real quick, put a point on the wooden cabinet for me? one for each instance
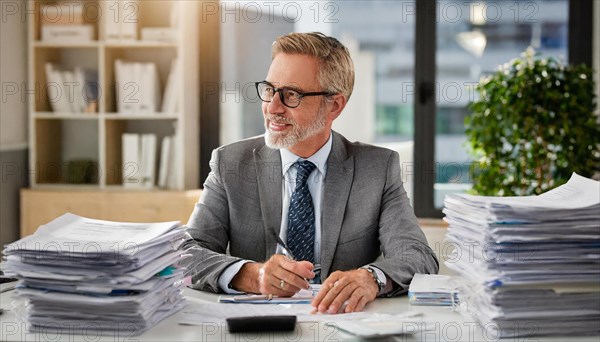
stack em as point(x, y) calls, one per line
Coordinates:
point(40, 206)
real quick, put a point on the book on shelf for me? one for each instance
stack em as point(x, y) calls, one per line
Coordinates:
point(148, 160)
point(165, 171)
point(71, 91)
point(137, 80)
point(132, 176)
point(139, 160)
point(54, 90)
point(125, 104)
point(72, 97)
point(121, 20)
point(149, 88)
point(79, 98)
point(138, 87)
point(170, 102)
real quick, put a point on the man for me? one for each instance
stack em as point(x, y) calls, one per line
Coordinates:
point(338, 207)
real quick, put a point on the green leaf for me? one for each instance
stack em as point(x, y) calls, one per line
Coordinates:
point(544, 110)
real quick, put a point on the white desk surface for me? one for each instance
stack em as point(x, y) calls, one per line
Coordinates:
point(447, 326)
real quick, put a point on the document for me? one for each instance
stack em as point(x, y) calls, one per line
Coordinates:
point(381, 325)
point(207, 312)
point(304, 296)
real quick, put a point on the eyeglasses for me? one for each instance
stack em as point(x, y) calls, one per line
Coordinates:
point(289, 97)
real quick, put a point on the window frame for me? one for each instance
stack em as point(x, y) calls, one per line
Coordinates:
point(580, 51)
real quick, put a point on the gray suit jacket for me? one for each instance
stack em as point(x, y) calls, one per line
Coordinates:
point(366, 219)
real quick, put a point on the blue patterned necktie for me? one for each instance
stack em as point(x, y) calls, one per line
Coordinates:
point(301, 216)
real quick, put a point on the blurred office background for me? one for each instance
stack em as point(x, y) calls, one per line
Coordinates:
point(472, 39)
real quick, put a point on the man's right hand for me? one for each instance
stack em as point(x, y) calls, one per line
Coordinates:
point(267, 278)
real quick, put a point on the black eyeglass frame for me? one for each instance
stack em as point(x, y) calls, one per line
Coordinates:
point(281, 97)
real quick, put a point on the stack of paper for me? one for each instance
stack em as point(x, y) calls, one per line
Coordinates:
point(533, 263)
point(433, 289)
point(80, 275)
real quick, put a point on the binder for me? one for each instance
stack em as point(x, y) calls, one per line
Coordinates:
point(79, 97)
point(69, 85)
point(131, 164)
point(166, 161)
point(136, 86)
point(54, 89)
point(148, 162)
point(120, 82)
point(127, 88)
point(169, 104)
point(149, 88)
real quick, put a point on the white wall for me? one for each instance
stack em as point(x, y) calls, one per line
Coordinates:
point(13, 119)
point(357, 121)
point(13, 75)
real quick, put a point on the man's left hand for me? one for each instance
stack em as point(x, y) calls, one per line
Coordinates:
point(354, 289)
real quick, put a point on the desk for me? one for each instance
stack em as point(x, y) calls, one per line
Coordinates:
point(447, 326)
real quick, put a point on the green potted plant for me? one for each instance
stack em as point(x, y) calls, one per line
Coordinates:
point(532, 126)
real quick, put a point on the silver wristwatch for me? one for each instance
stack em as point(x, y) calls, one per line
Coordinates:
point(378, 281)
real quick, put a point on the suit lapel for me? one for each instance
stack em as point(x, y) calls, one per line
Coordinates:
point(269, 179)
point(338, 181)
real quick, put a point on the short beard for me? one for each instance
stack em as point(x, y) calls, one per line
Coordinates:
point(297, 134)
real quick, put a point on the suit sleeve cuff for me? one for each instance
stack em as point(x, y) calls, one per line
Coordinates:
point(387, 285)
point(228, 274)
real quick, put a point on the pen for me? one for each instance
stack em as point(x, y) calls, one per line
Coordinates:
point(252, 297)
point(286, 251)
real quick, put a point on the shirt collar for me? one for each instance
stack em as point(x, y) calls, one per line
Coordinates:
point(288, 158)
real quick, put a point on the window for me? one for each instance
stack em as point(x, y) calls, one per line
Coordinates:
point(473, 38)
point(415, 62)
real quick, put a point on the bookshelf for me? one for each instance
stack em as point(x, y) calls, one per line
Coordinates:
point(64, 142)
